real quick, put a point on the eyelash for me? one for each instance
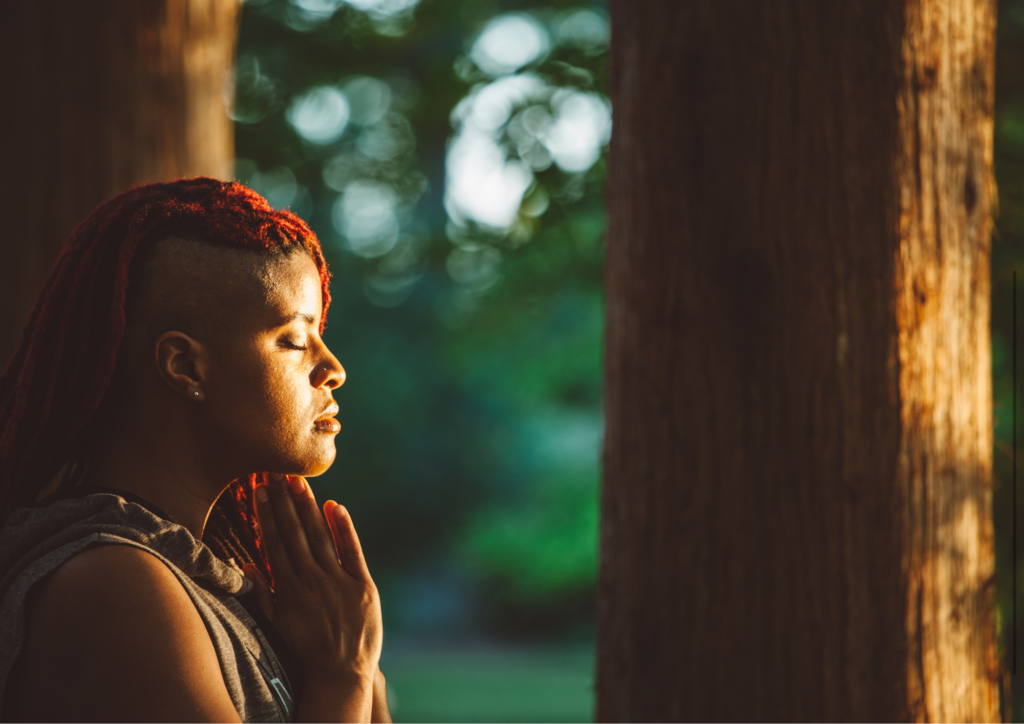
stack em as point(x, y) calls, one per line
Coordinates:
point(291, 345)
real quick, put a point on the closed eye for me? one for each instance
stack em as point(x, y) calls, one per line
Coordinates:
point(291, 345)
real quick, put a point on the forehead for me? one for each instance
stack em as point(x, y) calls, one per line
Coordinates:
point(202, 289)
point(292, 285)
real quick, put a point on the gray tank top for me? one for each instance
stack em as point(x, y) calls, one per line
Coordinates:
point(37, 540)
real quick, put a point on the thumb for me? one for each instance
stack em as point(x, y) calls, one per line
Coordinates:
point(261, 589)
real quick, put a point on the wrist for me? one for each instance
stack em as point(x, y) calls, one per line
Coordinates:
point(339, 695)
point(351, 678)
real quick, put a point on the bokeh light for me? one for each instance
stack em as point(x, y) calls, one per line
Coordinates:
point(251, 95)
point(384, 7)
point(483, 186)
point(368, 98)
point(319, 115)
point(365, 216)
point(581, 127)
point(545, 124)
point(584, 29)
point(450, 156)
point(508, 42)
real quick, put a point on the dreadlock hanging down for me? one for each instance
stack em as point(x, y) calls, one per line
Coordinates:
point(57, 380)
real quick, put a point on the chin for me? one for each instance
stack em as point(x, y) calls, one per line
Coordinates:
point(319, 464)
point(309, 460)
point(314, 472)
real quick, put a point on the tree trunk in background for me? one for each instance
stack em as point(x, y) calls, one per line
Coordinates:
point(797, 488)
point(101, 96)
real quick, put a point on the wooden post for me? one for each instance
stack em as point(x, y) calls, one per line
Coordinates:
point(796, 511)
point(98, 97)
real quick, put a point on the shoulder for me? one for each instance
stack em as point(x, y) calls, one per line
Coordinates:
point(115, 632)
point(106, 592)
point(113, 575)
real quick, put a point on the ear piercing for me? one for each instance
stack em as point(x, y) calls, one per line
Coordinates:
point(196, 393)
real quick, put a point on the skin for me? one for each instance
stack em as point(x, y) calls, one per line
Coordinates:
point(112, 630)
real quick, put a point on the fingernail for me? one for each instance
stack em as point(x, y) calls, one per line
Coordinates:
point(261, 493)
point(297, 485)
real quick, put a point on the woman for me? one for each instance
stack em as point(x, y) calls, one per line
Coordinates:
point(169, 394)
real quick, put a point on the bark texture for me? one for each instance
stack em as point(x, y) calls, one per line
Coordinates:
point(796, 510)
point(102, 96)
point(945, 106)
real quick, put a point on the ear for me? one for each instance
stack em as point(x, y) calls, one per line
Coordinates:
point(181, 362)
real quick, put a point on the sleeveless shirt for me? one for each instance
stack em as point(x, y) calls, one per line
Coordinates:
point(36, 540)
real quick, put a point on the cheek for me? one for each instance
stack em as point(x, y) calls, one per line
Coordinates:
point(262, 418)
point(283, 401)
point(266, 408)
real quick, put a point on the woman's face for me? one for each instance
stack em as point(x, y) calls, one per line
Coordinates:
point(268, 393)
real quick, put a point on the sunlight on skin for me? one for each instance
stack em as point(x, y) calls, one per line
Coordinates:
point(263, 374)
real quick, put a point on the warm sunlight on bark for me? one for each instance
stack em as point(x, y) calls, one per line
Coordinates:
point(945, 467)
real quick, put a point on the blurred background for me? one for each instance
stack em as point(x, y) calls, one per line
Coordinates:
point(450, 154)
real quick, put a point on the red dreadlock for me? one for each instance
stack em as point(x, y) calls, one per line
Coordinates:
point(57, 379)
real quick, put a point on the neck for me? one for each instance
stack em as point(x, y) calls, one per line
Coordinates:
point(155, 466)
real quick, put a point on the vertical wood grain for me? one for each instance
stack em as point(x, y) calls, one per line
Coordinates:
point(796, 506)
point(99, 97)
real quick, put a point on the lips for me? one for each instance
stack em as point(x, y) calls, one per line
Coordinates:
point(326, 421)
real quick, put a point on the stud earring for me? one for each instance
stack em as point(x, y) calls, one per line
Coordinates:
point(196, 393)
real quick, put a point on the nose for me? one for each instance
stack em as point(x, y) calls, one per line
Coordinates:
point(329, 373)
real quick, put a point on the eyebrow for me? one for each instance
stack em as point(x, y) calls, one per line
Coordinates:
point(300, 315)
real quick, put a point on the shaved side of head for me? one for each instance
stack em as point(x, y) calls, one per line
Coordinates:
point(201, 289)
point(127, 275)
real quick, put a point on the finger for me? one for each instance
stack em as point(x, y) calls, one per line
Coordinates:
point(261, 589)
point(280, 566)
point(289, 525)
point(352, 559)
point(329, 507)
point(318, 534)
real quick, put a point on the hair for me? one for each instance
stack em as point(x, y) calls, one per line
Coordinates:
point(55, 385)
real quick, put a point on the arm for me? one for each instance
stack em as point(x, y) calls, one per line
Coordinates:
point(113, 636)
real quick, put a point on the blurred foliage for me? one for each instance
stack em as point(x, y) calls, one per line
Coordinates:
point(480, 685)
point(1007, 257)
point(468, 302)
point(472, 411)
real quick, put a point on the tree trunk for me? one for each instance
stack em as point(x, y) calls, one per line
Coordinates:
point(102, 96)
point(796, 511)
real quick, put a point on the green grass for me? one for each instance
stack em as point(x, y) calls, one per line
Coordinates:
point(490, 684)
